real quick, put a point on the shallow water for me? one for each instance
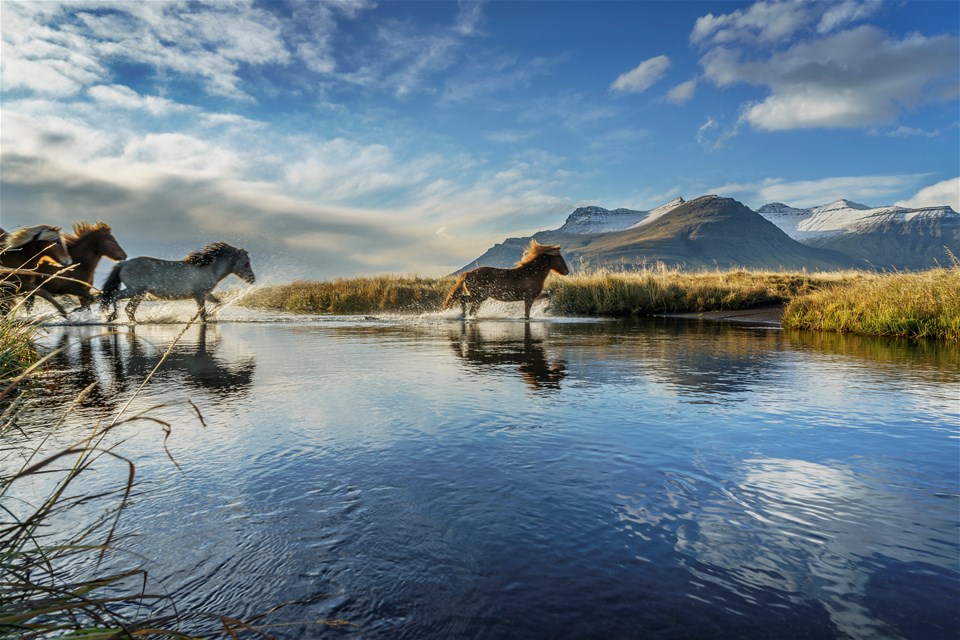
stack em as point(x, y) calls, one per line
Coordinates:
point(420, 478)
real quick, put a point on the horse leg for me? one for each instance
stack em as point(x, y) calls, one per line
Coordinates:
point(49, 298)
point(202, 307)
point(527, 303)
point(475, 307)
point(132, 307)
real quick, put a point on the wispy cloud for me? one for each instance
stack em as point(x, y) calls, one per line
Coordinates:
point(810, 193)
point(641, 77)
point(683, 92)
point(942, 193)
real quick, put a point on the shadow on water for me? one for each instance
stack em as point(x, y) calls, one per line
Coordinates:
point(491, 347)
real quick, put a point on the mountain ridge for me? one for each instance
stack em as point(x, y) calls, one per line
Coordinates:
point(711, 231)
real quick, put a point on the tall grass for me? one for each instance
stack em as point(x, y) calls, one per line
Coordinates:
point(347, 296)
point(659, 290)
point(915, 305)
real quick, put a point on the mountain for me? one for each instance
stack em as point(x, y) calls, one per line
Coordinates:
point(599, 220)
point(881, 237)
point(709, 231)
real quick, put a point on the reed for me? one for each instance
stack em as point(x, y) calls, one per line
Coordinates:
point(658, 289)
point(914, 305)
point(347, 296)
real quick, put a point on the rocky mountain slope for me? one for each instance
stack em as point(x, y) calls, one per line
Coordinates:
point(708, 232)
point(879, 237)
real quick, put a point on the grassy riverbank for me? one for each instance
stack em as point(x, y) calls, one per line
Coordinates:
point(918, 305)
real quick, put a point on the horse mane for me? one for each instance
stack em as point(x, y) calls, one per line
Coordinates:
point(209, 254)
point(534, 250)
point(42, 232)
point(81, 229)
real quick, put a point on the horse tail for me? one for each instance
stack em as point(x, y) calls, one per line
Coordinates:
point(108, 293)
point(455, 291)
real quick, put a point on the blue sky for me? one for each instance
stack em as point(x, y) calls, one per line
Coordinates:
point(342, 138)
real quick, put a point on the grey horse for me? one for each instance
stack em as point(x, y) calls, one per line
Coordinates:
point(193, 277)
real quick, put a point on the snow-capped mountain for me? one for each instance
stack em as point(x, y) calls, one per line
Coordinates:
point(710, 231)
point(589, 220)
point(842, 216)
point(881, 237)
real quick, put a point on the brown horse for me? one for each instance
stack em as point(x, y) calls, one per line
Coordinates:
point(21, 251)
point(523, 282)
point(87, 244)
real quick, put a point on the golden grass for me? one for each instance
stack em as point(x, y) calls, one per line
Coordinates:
point(347, 296)
point(917, 305)
point(659, 290)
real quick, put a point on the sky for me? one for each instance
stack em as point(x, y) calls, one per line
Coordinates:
point(340, 138)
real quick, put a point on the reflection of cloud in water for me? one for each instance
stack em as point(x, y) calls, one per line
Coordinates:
point(805, 531)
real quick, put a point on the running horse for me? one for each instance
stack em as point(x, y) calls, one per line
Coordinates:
point(86, 245)
point(193, 277)
point(523, 282)
point(21, 252)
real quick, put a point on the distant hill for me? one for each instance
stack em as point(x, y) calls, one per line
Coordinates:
point(710, 231)
point(880, 237)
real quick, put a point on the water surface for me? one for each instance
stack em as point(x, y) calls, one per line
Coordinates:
point(420, 478)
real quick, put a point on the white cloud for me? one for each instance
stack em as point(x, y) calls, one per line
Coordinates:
point(58, 49)
point(846, 13)
point(905, 132)
point(683, 92)
point(641, 77)
point(763, 22)
point(712, 136)
point(937, 195)
point(126, 98)
point(855, 78)
point(810, 193)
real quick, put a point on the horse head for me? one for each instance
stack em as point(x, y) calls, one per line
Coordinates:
point(545, 253)
point(104, 243)
point(42, 242)
point(242, 267)
point(558, 264)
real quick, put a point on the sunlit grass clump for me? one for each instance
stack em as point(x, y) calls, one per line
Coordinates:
point(659, 289)
point(16, 346)
point(916, 305)
point(347, 296)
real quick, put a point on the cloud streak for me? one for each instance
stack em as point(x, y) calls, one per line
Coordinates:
point(641, 77)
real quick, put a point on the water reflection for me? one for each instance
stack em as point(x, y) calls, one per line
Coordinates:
point(112, 362)
point(488, 347)
point(789, 531)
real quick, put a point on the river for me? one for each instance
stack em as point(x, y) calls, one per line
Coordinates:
point(420, 478)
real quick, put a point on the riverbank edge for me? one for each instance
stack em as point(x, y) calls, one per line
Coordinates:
point(768, 315)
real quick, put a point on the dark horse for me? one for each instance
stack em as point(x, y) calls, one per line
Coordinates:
point(193, 277)
point(21, 251)
point(87, 244)
point(523, 282)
